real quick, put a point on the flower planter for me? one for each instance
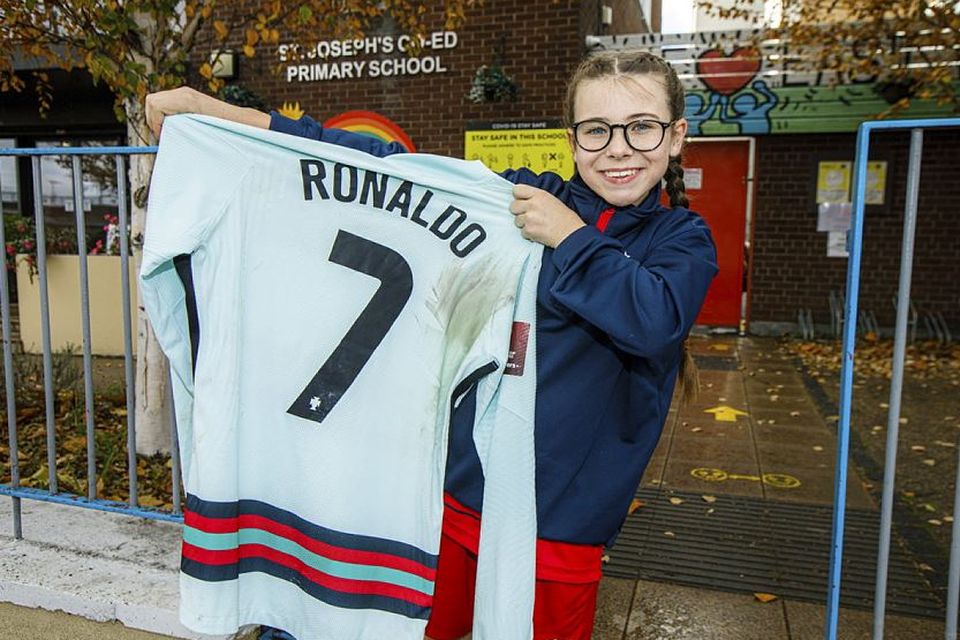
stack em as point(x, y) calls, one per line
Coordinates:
point(63, 288)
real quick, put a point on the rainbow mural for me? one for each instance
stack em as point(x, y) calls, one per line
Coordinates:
point(372, 124)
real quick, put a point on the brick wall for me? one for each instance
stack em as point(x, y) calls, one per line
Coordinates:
point(541, 45)
point(790, 267)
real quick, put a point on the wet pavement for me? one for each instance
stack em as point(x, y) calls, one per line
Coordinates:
point(754, 431)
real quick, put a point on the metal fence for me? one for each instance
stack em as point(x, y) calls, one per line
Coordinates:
point(52, 492)
point(855, 245)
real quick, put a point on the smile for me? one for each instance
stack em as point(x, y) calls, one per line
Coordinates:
point(620, 174)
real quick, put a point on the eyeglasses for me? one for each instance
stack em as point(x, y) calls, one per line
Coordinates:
point(641, 135)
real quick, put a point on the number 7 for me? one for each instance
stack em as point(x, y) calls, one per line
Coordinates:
point(352, 353)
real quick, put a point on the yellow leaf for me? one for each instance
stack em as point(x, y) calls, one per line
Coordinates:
point(670, 534)
point(248, 51)
point(676, 500)
point(634, 505)
point(709, 499)
point(765, 597)
point(75, 444)
point(604, 558)
point(206, 70)
point(221, 28)
point(148, 500)
point(252, 38)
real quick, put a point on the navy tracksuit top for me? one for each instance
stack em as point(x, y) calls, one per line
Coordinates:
point(613, 309)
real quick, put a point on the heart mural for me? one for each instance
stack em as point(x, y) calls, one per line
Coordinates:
point(727, 74)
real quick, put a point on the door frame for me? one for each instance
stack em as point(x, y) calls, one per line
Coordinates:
point(750, 179)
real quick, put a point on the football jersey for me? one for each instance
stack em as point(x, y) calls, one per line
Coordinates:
point(323, 310)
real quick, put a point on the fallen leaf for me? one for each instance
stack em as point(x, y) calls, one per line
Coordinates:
point(676, 500)
point(765, 597)
point(929, 462)
point(904, 420)
point(710, 510)
point(697, 429)
point(670, 534)
point(774, 398)
point(636, 504)
point(604, 558)
point(929, 507)
point(817, 447)
point(934, 522)
point(795, 414)
point(884, 405)
point(710, 499)
point(771, 422)
point(948, 518)
point(944, 444)
point(150, 501)
point(909, 494)
point(919, 448)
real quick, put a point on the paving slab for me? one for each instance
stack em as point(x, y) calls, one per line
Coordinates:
point(669, 612)
point(807, 622)
point(613, 608)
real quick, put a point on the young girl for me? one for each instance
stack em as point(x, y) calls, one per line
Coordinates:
point(622, 281)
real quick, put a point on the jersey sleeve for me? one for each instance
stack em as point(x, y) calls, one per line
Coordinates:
point(196, 172)
point(503, 434)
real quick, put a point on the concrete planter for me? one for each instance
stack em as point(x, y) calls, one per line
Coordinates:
point(63, 287)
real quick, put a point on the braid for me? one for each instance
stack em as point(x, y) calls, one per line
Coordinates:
point(674, 180)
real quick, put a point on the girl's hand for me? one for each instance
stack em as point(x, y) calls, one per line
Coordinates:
point(541, 217)
point(167, 103)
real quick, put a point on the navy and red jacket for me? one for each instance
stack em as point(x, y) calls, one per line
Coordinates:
point(613, 310)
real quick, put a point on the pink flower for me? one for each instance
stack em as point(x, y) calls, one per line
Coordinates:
point(27, 245)
point(11, 250)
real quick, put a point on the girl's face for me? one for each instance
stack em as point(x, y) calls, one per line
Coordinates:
point(618, 173)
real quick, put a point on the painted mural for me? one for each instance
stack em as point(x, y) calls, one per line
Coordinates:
point(734, 89)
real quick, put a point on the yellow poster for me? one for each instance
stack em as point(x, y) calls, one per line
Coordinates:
point(833, 182)
point(537, 146)
point(876, 182)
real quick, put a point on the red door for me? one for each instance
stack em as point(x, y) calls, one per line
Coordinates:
point(719, 184)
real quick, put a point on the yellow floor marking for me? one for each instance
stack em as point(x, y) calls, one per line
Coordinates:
point(777, 480)
point(723, 413)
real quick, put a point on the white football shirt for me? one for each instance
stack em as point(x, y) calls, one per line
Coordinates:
point(322, 309)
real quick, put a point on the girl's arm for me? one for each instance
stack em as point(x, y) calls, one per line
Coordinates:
point(645, 303)
point(187, 100)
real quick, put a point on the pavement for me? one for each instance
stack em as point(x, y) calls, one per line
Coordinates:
point(755, 431)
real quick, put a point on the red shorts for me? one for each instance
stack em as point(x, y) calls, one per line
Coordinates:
point(565, 599)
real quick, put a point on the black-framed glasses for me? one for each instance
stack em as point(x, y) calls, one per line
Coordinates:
point(641, 135)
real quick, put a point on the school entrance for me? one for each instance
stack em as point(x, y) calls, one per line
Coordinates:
point(719, 177)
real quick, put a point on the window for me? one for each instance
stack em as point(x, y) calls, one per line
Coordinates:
point(9, 183)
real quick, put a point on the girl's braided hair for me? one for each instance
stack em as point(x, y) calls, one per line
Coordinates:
point(620, 64)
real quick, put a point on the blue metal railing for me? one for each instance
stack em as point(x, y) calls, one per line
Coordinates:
point(855, 244)
point(52, 494)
